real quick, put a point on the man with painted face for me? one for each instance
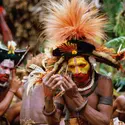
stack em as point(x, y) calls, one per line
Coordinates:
point(80, 69)
point(86, 97)
point(9, 82)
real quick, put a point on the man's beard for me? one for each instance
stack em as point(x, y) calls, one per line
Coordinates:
point(81, 79)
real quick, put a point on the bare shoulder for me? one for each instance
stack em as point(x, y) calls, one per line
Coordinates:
point(120, 99)
point(104, 86)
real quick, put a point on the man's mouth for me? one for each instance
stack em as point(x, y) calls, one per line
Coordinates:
point(80, 77)
point(4, 77)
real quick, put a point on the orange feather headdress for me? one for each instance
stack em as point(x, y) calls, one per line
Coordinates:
point(75, 19)
point(74, 26)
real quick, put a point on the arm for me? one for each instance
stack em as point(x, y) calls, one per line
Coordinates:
point(51, 111)
point(102, 115)
point(14, 111)
point(14, 85)
point(4, 104)
point(50, 106)
point(99, 116)
point(7, 35)
point(19, 93)
point(119, 104)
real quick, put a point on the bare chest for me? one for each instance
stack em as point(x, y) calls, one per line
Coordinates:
point(3, 94)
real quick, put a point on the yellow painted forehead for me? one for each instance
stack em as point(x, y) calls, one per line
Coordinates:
point(79, 59)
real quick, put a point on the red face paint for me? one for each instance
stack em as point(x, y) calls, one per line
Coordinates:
point(81, 78)
point(4, 78)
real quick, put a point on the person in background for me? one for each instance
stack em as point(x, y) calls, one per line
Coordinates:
point(119, 108)
point(4, 29)
point(9, 82)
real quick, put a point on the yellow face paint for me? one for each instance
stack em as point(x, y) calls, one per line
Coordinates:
point(78, 64)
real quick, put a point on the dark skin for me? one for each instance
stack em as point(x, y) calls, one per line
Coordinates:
point(7, 95)
point(94, 113)
point(119, 104)
point(4, 29)
point(14, 111)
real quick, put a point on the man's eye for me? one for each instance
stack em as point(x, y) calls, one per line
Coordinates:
point(71, 67)
point(82, 65)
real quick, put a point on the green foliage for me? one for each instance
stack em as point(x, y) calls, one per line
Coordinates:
point(119, 28)
point(116, 43)
point(105, 70)
point(119, 83)
point(112, 8)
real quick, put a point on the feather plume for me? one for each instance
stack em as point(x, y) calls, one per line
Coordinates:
point(75, 19)
point(68, 47)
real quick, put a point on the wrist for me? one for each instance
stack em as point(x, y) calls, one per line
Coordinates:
point(78, 100)
point(46, 113)
point(82, 106)
point(49, 104)
point(12, 91)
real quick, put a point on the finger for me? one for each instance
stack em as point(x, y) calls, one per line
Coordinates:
point(61, 92)
point(67, 85)
point(69, 79)
point(53, 80)
point(13, 73)
point(57, 85)
point(47, 76)
point(62, 88)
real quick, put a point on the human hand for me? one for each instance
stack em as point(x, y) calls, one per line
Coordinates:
point(70, 87)
point(51, 83)
point(15, 83)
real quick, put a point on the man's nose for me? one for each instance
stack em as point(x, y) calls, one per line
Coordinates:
point(77, 70)
point(7, 71)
